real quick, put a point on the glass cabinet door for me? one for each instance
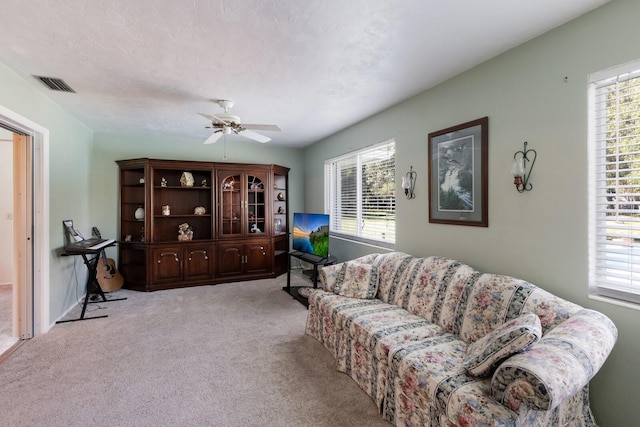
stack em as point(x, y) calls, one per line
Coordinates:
point(256, 206)
point(230, 205)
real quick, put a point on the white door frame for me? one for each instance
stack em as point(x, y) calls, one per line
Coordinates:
point(40, 138)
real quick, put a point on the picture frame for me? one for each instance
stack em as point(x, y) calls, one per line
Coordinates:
point(458, 174)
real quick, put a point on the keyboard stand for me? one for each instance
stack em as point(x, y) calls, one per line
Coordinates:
point(93, 287)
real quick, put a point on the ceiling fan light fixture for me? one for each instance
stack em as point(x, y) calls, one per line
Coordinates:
point(225, 124)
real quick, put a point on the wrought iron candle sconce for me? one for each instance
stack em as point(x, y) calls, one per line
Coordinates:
point(409, 183)
point(521, 174)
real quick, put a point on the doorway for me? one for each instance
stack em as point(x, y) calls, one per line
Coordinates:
point(23, 217)
point(8, 337)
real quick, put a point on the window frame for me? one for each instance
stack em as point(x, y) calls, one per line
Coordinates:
point(357, 155)
point(602, 280)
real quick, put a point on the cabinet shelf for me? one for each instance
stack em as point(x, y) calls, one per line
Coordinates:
point(179, 187)
point(182, 216)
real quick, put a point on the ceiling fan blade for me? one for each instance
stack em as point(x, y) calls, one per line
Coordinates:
point(214, 119)
point(214, 137)
point(254, 135)
point(272, 128)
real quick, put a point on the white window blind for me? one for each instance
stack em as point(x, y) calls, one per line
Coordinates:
point(360, 194)
point(615, 183)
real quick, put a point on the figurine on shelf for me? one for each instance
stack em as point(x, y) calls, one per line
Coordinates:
point(199, 210)
point(163, 182)
point(228, 185)
point(186, 180)
point(254, 229)
point(204, 183)
point(185, 232)
point(251, 215)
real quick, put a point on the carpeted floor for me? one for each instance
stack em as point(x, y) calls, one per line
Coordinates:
point(6, 310)
point(226, 355)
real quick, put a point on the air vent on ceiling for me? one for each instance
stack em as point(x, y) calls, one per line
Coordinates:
point(55, 84)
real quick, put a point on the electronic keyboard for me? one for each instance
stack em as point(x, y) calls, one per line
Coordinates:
point(89, 245)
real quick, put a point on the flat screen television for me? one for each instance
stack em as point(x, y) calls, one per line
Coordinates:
point(311, 234)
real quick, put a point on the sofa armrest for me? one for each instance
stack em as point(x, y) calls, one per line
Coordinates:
point(558, 366)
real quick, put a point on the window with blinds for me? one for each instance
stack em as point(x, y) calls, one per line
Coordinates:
point(360, 195)
point(615, 183)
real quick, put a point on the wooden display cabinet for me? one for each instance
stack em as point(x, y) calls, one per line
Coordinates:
point(237, 214)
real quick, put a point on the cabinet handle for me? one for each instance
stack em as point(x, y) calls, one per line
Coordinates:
point(175, 256)
point(202, 251)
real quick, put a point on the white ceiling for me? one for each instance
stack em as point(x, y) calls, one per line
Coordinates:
point(313, 67)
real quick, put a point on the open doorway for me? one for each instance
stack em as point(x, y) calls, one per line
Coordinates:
point(24, 216)
point(8, 337)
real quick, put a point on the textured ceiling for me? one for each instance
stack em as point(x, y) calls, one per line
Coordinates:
point(313, 67)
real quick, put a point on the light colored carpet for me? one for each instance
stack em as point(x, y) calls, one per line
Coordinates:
point(226, 355)
point(6, 320)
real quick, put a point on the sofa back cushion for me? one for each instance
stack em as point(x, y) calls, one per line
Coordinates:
point(392, 267)
point(551, 310)
point(455, 297)
point(428, 282)
point(357, 280)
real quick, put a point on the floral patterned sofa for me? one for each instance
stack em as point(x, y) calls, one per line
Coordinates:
point(436, 343)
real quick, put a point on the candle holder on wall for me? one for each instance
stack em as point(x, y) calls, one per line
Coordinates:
point(409, 183)
point(522, 174)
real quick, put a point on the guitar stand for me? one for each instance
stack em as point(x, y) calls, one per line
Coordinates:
point(93, 288)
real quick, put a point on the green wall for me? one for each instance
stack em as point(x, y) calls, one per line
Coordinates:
point(70, 145)
point(540, 236)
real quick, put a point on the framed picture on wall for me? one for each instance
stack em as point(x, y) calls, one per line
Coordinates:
point(458, 174)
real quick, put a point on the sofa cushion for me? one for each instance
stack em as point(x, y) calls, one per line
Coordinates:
point(392, 267)
point(515, 336)
point(488, 303)
point(357, 280)
point(328, 276)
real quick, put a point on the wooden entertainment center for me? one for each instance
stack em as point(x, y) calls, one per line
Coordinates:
point(237, 214)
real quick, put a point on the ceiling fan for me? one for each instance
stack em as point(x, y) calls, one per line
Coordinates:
point(226, 123)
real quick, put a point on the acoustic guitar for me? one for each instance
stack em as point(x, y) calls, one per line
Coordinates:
point(108, 277)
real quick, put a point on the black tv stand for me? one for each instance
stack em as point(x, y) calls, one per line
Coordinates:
point(316, 261)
